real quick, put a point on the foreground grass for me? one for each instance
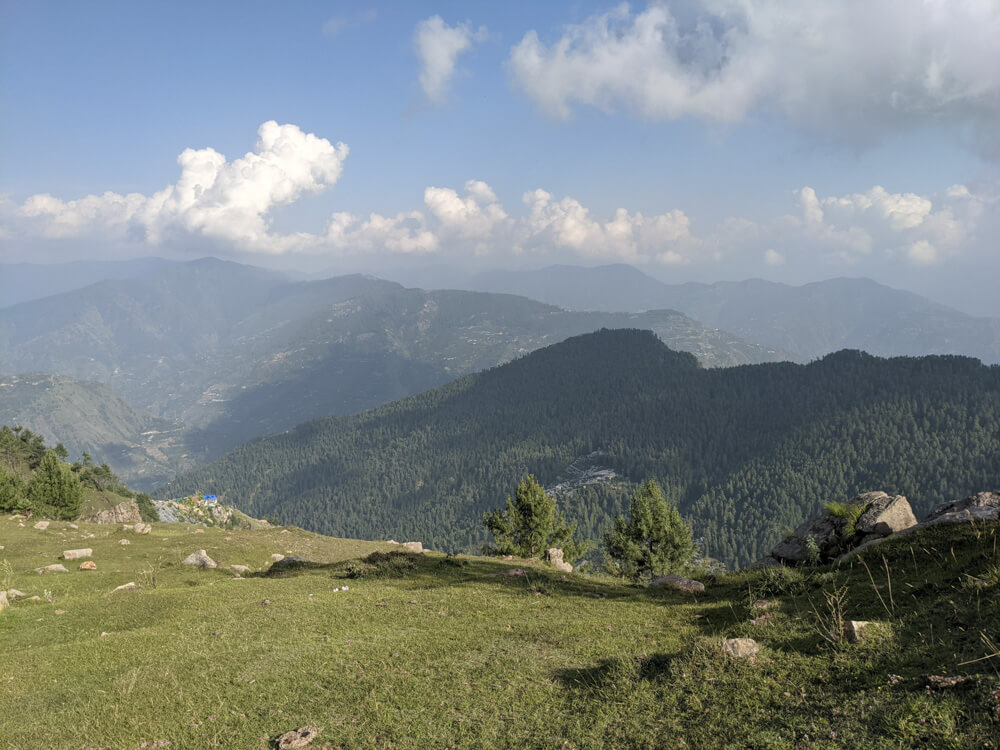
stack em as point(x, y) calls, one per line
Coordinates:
point(434, 652)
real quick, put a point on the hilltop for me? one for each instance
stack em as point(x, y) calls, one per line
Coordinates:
point(378, 648)
point(745, 452)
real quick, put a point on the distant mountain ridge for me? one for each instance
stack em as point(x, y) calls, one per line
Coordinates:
point(235, 352)
point(808, 321)
point(23, 282)
point(745, 451)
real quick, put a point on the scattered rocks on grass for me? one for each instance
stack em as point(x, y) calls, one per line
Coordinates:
point(200, 559)
point(555, 558)
point(680, 583)
point(41, 525)
point(301, 737)
point(130, 586)
point(77, 554)
point(740, 648)
point(56, 568)
point(88, 565)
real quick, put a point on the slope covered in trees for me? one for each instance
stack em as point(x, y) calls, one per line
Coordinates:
point(745, 452)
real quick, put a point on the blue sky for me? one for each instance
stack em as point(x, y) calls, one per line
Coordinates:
point(708, 161)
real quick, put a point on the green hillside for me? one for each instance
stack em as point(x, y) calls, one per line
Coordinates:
point(425, 651)
point(746, 452)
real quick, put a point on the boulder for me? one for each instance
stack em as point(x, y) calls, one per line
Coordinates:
point(88, 565)
point(200, 559)
point(4, 602)
point(984, 506)
point(288, 562)
point(142, 528)
point(127, 512)
point(300, 737)
point(14, 595)
point(740, 648)
point(555, 558)
point(855, 630)
point(680, 583)
point(57, 568)
point(885, 514)
point(413, 546)
point(130, 586)
point(41, 525)
point(77, 554)
point(823, 529)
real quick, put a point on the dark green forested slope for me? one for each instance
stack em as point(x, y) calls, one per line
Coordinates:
point(746, 451)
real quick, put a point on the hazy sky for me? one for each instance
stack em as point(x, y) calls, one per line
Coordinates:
point(703, 139)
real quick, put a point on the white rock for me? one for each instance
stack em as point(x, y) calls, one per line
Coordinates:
point(4, 603)
point(42, 525)
point(124, 542)
point(73, 526)
point(130, 586)
point(14, 595)
point(413, 546)
point(277, 556)
point(239, 568)
point(855, 630)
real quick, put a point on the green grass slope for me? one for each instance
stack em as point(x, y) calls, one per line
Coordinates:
point(425, 651)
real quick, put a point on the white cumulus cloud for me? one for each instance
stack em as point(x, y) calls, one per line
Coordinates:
point(852, 69)
point(438, 47)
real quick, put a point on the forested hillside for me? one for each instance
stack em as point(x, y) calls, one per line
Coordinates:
point(236, 352)
point(746, 452)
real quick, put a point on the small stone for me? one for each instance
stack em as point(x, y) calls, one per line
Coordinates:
point(285, 531)
point(130, 586)
point(265, 603)
point(42, 525)
point(57, 568)
point(77, 554)
point(762, 619)
point(855, 630)
point(88, 565)
point(124, 542)
point(392, 541)
point(678, 582)
point(277, 557)
point(741, 648)
point(4, 602)
point(73, 526)
point(200, 559)
point(142, 528)
point(762, 604)
point(199, 531)
point(239, 568)
point(301, 737)
point(60, 611)
point(104, 634)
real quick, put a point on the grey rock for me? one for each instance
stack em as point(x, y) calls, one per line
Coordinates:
point(855, 630)
point(885, 514)
point(200, 559)
point(740, 648)
point(680, 583)
point(983, 506)
point(555, 558)
point(288, 562)
point(77, 554)
point(57, 568)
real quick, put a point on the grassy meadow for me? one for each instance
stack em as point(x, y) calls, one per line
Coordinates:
point(429, 651)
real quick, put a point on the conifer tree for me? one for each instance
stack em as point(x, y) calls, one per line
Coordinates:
point(530, 524)
point(54, 490)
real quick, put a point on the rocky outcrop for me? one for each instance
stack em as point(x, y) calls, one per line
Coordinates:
point(680, 583)
point(127, 512)
point(555, 558)
point(867, 518)
point(984, 506)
